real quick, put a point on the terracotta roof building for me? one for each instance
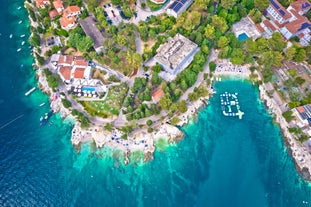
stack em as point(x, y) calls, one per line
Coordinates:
point(289, 22)
point(65, 60)
point(301, 6)
point(278, 12)
point(65, 72)
point(71, 11)
point(53, 13)
point(79, 73)
point(157, 95)
point(42, 3)
point(80, 62)
point(70, 16)
point(58, 5)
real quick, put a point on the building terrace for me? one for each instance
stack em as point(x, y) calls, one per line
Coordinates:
point(176, 54)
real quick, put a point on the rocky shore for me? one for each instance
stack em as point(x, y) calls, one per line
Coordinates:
point(299, 153)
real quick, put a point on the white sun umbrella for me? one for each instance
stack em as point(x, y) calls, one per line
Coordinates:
point(90, 95)
point(93, 92)
point(85, 95)
point(94, 96)
point(75, 90)
point(79, 94)
point(79, 90)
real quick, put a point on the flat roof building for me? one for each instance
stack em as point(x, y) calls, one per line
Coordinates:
point(90, 28)
point(178, 7)
point(176, 54)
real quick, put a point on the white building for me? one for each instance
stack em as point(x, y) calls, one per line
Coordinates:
point(176, 54)
point(278, 12)
point(178, 6)
point(289, 22)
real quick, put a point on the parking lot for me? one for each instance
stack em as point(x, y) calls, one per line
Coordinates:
point(114, 15)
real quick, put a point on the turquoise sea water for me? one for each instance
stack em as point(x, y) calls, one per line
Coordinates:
point(222, 161)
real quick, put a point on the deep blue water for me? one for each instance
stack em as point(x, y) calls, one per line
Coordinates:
point(242, 37)
point(222, 161)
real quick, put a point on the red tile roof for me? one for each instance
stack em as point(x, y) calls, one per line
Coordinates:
point(53, 13)
point(42, 3)
point(71, 9)
point(65, 59)
point(286, 14)
point(65, 22)
point(300, 109)
point(296, 25)
point(79, 73)
point(301, 5)
point(278, 24)
point(65, 71)
point(157, 94)
point(80, 61)
point(58, 4)
point(269, 25)
point(301, 35)
point(259, 28)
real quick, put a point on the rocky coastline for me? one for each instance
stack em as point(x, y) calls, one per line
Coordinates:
point(301, 156)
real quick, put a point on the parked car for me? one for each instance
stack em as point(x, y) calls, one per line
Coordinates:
point(105, 14)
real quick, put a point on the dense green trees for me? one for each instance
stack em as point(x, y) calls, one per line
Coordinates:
point(220, 23)
point(82, 43)
point(261, 4)
point(51, 79)
point(288, 115)
point(227, 4)
point(35, 40)
point(66, 103)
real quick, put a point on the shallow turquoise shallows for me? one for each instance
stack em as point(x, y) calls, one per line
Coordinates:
point(222, 161)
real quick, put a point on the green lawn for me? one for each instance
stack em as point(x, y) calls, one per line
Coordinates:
point(111, 105)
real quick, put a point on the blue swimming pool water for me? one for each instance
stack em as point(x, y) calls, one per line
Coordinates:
point(84, 88)
point(242, 37)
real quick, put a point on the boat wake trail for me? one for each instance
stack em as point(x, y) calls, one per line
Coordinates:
point(10, 122)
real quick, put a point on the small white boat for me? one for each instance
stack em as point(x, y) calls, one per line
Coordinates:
point(11, 36)
point(42, 104)
point(22, 35)
point(23, 42)
point(19, 49)
point(30, 91)
point(20, 21)
point(19, 7)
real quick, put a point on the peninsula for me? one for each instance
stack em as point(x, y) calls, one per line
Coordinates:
point(131, 72)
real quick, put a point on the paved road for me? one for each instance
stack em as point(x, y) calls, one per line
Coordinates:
point(138, 43)
point(142, 14)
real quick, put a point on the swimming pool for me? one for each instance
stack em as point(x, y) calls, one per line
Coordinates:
point(85, 88)
point(242, 37)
